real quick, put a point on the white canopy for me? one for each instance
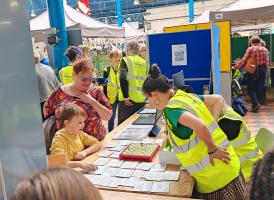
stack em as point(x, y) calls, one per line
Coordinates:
point(203, 18)
point(89, 27)
point(132, 34)
point(245, 11)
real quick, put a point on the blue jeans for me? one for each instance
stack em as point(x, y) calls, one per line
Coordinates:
point(111, 121)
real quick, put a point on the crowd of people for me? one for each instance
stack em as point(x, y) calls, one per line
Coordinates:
point(211, 141)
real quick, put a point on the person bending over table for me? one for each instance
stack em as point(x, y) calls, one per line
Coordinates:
point(199, 143)
point(82, 93)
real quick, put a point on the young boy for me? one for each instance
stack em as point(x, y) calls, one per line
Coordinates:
point(71, 140)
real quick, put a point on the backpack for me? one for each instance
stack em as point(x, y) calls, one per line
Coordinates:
point(50, 129)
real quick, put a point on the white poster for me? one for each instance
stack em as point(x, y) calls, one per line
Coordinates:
point(179, 55)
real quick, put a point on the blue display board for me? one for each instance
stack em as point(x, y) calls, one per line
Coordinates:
point(198, 45)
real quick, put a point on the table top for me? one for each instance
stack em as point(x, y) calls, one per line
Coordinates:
point(181, 188)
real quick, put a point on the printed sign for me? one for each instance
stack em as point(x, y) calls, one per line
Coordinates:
point(179, 55)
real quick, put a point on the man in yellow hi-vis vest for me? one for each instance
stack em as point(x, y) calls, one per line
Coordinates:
point(132, 74)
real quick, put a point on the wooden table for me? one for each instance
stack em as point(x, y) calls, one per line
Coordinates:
point(181, 188)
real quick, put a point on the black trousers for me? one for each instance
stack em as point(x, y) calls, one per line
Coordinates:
point(124, 111)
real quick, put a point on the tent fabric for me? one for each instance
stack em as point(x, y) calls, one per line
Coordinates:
point(132, 34)
point(203, 18)
point(245, 11)
point(89, 27)
point(251, 27)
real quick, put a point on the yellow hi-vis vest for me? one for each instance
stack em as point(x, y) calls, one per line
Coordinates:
point(137, 73)
point(112, 86)
point(244, 144)
point(193, 153)
point(66, 75)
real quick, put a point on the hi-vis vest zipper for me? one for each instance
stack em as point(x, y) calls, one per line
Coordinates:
point(244, 144)
point(193, 153)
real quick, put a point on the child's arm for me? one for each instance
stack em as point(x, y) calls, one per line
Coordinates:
point(87, 167)
point(92, 149)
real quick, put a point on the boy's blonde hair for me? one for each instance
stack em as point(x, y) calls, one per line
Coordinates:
point(69, 111)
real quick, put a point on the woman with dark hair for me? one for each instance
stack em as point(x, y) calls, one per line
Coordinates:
point(74, 55)
point(261, 185)
point(81, 92)
point(56, 183)
point(199, 143)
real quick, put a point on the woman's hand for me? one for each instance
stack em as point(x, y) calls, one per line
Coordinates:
point(80, 155)
point(86, 98)
point(221, 154)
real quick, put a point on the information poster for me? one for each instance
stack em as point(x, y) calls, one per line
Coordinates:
point(179, 55)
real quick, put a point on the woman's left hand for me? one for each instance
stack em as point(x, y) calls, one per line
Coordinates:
point(220, 154)
point(86, 98)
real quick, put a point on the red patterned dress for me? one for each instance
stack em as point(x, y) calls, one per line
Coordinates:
point(93, 123)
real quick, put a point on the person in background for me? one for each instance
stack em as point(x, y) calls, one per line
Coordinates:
point(74, 55)
point(46, 79)
point(237, 131)
point(133, 71)
point(81, 92)
point(44, 58)
point(255, 82)
point(112, 86)
point(56, 183)
point(72, 141)
point(143, 52)
point(262, 180)
point(267, 78)
point(86, 53)
point(199, 143)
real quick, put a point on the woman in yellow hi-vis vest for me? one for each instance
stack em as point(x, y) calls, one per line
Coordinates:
point(199, 143)
point(74, 55)
point(237, 132)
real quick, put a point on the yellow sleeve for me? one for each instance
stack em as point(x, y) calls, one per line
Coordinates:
point(88, 140)
point(57, 146)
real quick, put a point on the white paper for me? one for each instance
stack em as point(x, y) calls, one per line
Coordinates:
point(101, 161)
point(105, 153)
point(125, 142)
point(159, 141)
point(100, 170)
point(145, 166)
point(162, 187)
point(111, 144)
point(115, 155)
point(117, 148)
point(139, 173)
point(148, 141)
point(153, 176)
point(129, 165)
point(171, 175)
point(179, 55)
point(97, 179)
point(110, 171)
point(148, 111)
point(115, 163)
point(158, 167)
point(124, 173)
point(128, 182)
point(133, 132)
point(143, 186)
point(111, 182)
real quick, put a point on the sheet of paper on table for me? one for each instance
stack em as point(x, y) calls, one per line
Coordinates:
point(145, 166)
point(117, 148)
point(100, 170)
point(171, 175)
point(148, 111)
point(153, 176)
point(129, 165)
point(158, 167)
point(128, 182)
point(124, 173)
point(111, 144)
point(143, 186)
point(112, 182)
point(162, 187)
point(148, 141)
point(110, 171)
point(101, 161)
point(115, 155)
point(115, 163)
point(139, 173)
point(105, 153)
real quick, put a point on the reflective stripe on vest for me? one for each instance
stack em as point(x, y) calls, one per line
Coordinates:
point(130, 71)
point(250, 155)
